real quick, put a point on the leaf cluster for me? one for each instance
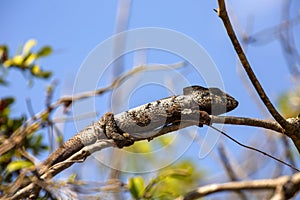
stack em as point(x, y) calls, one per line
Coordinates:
point(25, 60)
point(15, 160)
point(169, 183)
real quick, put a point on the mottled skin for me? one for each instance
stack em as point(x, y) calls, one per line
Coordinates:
point(124, 127)
point(212, 100)
point(159, 113)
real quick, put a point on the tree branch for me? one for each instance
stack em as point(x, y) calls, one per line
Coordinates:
point(266, 124)
point(291, 127)
point(229, 170)
point(289, 186)
point(222, 12)
point(35, 123)
point(143, 122)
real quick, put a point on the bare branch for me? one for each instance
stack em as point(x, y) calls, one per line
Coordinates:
point(291, 126)
point(267, 124)
point(229, 170)
point(254, 149)
point(290, 182)
point(222, 12)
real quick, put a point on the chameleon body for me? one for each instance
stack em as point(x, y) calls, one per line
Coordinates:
point(161, 112)
point(127, 126)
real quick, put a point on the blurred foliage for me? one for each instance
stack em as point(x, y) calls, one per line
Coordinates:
point(12, 162)
point(289, 103)
point(25, 60)
point(147, 147)
point(169, 183)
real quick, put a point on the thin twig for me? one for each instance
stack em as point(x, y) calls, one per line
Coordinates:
point(229, 170)
point(254, 149)
point(288, 152)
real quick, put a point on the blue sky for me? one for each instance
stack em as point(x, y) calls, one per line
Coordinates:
point(74, 28)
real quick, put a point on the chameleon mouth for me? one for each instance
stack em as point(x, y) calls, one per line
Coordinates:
point(233, 104)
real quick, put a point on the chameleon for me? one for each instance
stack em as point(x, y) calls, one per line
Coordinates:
point(161, 112)
point(126, 127)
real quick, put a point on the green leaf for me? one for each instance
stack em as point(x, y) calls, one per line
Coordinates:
point(45, 51)
point(17, 165)
point(15, 61)
point(35, 70)
point(178, 173)
point(8, 63)
point(136, 187)
point(45, 74)
point(72, 178)
point(28, 46)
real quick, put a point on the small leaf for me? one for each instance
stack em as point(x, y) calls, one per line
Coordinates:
point(179, 173)
point(35, 70)
point(45, 51)
point(8, 63)
point(136, 187)
point(17, 60)
point(17, 165)
point(28, 46)
point(72, 178)
point(5, 158)
point(45, 74)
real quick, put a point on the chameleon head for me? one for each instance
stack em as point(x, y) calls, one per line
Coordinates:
point(212, 100)
point(221, 100)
